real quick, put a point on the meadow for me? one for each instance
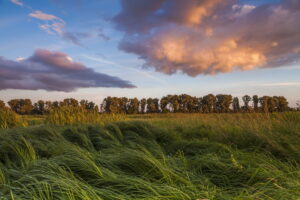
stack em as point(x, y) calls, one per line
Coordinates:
point(152, 156)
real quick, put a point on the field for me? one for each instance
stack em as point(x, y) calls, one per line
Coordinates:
point(154, 156)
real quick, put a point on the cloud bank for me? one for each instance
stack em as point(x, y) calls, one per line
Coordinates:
point(53, 71)
point(210, 36)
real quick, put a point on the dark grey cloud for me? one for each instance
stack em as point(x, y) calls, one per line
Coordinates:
point(53, 71)
point(210, 36)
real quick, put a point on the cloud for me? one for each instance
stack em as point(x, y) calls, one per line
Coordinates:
point(53, 71)
point(43, 16)
point(17, 2)
point(55, 25)
point(210, 36)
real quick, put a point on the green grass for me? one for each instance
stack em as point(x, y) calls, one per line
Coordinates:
point(168, 157)
point(70, 115)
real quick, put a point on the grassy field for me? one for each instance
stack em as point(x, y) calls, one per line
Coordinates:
point(157, 156)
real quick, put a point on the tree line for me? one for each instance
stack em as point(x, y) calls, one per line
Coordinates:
point(26, 107)
point(221, 103)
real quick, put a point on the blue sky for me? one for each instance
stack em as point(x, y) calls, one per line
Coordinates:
point(20, 36)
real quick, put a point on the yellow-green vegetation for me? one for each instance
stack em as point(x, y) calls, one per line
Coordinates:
point(172, 157)
point(70, 115)
point(9, 119)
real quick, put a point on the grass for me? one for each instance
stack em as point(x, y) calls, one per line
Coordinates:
point(171, 157)
point(8, 119)
point(70, 115)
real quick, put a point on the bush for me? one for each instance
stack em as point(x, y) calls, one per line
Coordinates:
point(9, 119)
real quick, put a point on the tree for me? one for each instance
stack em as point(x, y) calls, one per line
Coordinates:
point(246, 100)
point(164, 102)
point(209, 103)
point(175, 103)
point(143, 103)
point(152, 105)
point(133, 107)
point(111, 105)
point(21, 106)
point(264, 103)
point(255, 100)
point(39, 107)
point(69, 102)
point(236, 104)
point(123, 105)
point(88, 105)
point(283, 104)
point(223, 103)
point(272, 104)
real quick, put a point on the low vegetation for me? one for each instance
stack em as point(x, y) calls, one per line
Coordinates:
point(155, 156)
point(9, 119)
point(69, 115)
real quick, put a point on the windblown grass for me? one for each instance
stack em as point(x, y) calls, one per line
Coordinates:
point(70, 115)
point(9, 119)
point(226, 157)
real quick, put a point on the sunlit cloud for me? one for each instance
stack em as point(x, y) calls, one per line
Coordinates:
point(210, 36)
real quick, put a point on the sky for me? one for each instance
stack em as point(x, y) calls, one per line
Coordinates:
point(90, 49)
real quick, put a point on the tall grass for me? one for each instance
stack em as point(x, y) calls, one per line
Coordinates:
point(9, 119)
point(70, 115)
point(220, 157)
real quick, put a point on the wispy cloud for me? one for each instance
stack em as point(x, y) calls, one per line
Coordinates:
point(43, 16)
point(55, 25)
point(142, 73)
point(17, 2)
point(279, 84)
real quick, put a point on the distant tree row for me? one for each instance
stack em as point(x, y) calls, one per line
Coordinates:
point(26, 107)
point(184, 103)
point(221, 103)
